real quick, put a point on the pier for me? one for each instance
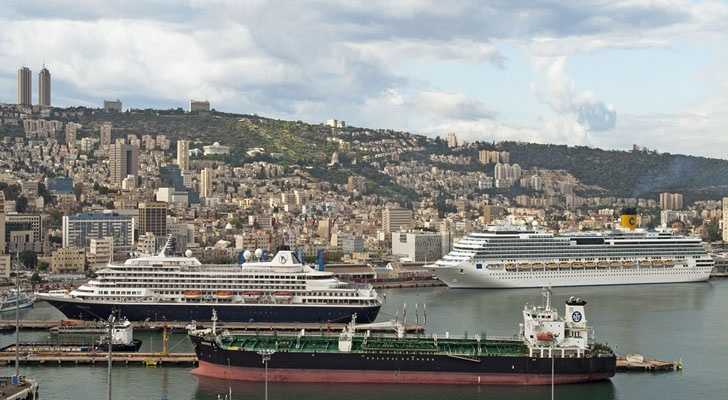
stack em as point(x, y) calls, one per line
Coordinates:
point(100, 358)
point(640, 363)
point(79, 327)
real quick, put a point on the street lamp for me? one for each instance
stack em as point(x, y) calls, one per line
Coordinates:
point(265, 356)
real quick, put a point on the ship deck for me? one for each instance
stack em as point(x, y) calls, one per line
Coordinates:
point(378, 344)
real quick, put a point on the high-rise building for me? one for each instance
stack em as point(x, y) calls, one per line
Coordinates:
point(105, 134)
point(452, 140)
point(124, 160)
point(183, 154)
point(671, 201)
point(394, 219)
point(418, 246)
point(71, 134)
point(206, 177)
point(2, 222)
point(153, 218)
point(725, 219)
point(25, 96)
point(44, 87)
point(79, 229)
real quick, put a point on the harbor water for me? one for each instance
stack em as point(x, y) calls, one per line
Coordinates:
point(671, 322)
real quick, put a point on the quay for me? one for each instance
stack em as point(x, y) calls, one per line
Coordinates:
point(100, 358)
point(24, 389)
point(640, 363)
point(404, 284)
point(79, 327)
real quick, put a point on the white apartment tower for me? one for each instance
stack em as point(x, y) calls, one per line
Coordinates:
point(183, 155)
point(206, 177)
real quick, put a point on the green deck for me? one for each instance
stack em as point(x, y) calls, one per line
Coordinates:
point(376, 344)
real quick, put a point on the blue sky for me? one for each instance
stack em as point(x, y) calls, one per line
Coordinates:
point(600, 73)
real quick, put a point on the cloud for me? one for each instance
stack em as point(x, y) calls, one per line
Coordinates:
point(318, 59)
point(559, 91)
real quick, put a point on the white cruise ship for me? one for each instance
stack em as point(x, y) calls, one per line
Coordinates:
point(506, 257)
point(161, 287)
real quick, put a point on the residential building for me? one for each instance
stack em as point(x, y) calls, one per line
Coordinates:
point(25, 96)
point(68, 260)
point(183, 154)
point(24, 232)
point(44, 87)
point(100, 251)
point(724, 217)
point(452, 140)
point(153, 218)
point(2, 222)
point(671, 201)
point(5, 266)
point(394, 219)
point(124, 160)
point(105, 134)
point(79, 229)
point(71, 134)
point(206, 178)
point(147, 243)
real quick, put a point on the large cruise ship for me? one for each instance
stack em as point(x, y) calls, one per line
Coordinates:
point(506, 257)
point(161, 287)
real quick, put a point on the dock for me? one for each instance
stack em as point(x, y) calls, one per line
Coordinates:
point(100, 358)
point(78, 326)
point(639, 363)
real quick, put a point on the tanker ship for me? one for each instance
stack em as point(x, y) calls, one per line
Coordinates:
point(548, 349)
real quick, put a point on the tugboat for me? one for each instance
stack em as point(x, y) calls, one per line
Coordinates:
point(548, 349)
point(14, 299)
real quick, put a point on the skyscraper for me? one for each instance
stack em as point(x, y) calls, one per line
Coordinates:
point(124, 161)
point(44, 87)
point(25, 84)
point(394, 219)
point(183, 154)
point(153, 218)
point(206, 177)
point(105, 133)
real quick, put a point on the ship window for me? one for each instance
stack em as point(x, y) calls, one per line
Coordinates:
point(479, 266)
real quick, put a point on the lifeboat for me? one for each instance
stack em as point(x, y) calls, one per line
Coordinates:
point(224, 294)
point(545, 336)
point(283, 294)
point(251, 294)
point(192, 294)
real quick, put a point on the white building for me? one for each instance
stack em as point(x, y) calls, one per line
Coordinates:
point(418, 246)
point(216, 149)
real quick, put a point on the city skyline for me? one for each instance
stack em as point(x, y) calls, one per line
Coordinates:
point(598, 74)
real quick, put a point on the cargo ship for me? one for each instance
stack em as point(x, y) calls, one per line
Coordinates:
point(548, 349)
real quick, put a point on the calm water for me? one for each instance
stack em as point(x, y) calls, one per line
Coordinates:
point(688, 321)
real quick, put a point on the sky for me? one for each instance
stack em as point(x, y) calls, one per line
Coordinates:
point(606, 74)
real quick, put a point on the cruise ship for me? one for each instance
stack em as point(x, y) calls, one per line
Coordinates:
point(161, 287)
point(507, 257)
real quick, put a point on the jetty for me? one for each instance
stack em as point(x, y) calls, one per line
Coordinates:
point(92, 327)
point(640, 363)
point(100, 358)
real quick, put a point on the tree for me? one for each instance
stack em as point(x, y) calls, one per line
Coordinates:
point(28, 258)
point(35, 278)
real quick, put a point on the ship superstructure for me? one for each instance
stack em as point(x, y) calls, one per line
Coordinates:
point(162, 287)
point(509, 257)
point(548, 348)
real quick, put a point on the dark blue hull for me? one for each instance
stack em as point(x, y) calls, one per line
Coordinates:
point(225, 312)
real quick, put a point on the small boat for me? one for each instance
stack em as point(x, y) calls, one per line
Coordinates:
point(223, 294)
point(193, 294)
point(13, 300)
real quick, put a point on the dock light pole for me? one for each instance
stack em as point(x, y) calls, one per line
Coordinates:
point(265, 355)
point(17, 318)
point(112, 319)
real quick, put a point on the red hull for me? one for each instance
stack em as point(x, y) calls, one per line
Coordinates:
point(361, 376)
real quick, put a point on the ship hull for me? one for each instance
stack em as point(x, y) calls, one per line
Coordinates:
point(398, 368)
point(86, 310)
point(470, 277)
